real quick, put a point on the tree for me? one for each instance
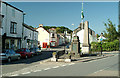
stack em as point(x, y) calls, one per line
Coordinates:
point(60, 29)
point(31, 26)
point(111, 33)
point(97, 35)
point(118, 30)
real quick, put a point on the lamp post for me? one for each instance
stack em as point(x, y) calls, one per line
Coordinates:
point(73, 31)
point(101, 44)
point(64, 39)
point(23, 29)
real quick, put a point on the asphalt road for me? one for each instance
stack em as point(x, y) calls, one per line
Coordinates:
point(17, 65)
point(23, 63)
point(80, 68)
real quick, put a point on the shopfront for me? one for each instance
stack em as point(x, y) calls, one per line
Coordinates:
point(11, 43)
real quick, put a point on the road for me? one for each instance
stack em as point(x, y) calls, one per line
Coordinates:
point(101, 67)
point(91, 68)
point(24, 63)
point(34, 67)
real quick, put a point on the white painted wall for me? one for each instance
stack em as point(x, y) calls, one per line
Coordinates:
point(43, 36)
point(80, 34)
point(61, 40)
point(7, 12)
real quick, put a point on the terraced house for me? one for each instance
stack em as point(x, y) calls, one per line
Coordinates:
point(30, 37)
point(16, 34)
point(11, 26)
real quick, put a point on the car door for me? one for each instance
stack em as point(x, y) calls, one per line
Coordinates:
point(14, 54)
point(28, 51)
point(7, 53)
point(11, 54)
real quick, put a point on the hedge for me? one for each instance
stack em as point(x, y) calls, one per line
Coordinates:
point(106, 46)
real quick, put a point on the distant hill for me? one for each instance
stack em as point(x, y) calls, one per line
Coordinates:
point(60, 29)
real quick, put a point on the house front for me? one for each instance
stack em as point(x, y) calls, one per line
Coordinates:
point(53, 37)
point(11, 26)
point(1, 17)
point(80, 33)
point(30, 37)
point(43, 36)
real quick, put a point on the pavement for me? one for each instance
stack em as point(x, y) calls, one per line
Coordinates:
point(46, 65)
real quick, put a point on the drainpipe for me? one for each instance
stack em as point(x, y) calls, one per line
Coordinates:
point(23, 29)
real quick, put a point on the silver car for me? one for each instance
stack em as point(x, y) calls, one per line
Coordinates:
point(9, 55)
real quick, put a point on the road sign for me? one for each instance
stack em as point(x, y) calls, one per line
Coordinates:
point(101, 39)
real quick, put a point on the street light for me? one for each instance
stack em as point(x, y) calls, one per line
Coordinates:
point(73, 31)
point(64, 39)
point(101, 44)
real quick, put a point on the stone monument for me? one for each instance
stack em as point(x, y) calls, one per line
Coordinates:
point(75, 46)
point(86, 44)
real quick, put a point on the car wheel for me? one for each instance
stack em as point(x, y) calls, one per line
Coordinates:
point(18, 57)
point(9, 59)
point(26, 56)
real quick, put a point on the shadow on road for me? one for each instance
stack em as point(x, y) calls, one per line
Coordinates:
point(45, 55)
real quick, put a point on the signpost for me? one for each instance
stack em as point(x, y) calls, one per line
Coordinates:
point(101, 44)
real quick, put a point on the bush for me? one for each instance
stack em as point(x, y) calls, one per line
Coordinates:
point(106, 46)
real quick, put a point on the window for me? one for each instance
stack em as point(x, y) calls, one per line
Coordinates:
point(13, 28)
point(53, 34)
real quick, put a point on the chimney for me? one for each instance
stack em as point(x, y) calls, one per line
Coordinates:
point(40, 25)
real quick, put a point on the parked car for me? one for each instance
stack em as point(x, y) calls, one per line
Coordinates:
point(35, 51)
point(25, 53)
point(9, 55)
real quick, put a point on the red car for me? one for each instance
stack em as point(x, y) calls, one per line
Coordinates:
point(24, 52)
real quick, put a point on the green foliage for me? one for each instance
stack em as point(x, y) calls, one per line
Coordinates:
point(97, 35)
point(106, 46)
point(111, 33)
point(54, 53)
point(60, 29)
point(118, 30)
point(31, 26)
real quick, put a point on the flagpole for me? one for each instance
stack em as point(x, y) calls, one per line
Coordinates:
point(82, 14)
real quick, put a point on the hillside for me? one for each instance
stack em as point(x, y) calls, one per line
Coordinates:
point(60, 29)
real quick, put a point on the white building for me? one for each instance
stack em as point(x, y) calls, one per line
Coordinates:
point(43, 36)
point(11, 26)
point(60, 39)
point(30, 36)
point(80, 33)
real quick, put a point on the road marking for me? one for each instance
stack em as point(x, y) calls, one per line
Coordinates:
point(26, 73)
point(15, 75)
point(56, 67)
point(64, 65)
point(47, 68)
point(71, 63)
point(37, 70)
point(97, 59)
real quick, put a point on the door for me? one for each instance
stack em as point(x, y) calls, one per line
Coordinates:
point(44, 44)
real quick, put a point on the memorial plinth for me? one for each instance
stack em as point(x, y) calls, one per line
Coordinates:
point(75, 46)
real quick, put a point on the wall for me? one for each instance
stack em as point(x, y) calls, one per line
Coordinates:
point(7, 12)
point(43, 36)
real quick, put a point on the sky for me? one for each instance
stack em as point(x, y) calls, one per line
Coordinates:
point(68, 13)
